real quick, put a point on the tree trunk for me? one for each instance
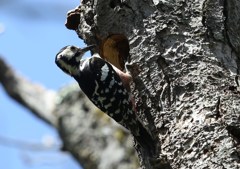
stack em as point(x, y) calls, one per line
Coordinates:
point(186, 86)
point(184, 59)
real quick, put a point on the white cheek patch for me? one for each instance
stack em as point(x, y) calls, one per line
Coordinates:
point(71, 70)
point(68, 53)
point(104, 72)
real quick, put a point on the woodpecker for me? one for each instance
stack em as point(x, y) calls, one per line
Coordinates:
point(103, 85)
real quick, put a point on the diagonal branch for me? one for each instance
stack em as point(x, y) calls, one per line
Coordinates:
point(29, 145)
point(34, 97)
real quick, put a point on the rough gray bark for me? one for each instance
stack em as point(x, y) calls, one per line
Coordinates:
point(186, 89)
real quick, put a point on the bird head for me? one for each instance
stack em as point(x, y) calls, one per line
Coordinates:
point(69, 57)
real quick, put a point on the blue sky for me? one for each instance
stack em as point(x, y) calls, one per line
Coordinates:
point(34, 32)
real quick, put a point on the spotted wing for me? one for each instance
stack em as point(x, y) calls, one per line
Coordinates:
point(109, 95)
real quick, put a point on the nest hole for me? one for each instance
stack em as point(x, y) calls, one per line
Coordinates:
point(115, 49)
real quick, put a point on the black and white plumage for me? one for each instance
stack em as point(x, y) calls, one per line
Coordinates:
point(102, 84)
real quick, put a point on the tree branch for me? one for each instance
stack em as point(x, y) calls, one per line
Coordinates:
point(32, 96)
point(29, 145)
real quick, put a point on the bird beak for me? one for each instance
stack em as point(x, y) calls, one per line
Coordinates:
point(88, 48)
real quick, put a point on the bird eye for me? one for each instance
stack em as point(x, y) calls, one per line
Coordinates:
point(72, 47)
